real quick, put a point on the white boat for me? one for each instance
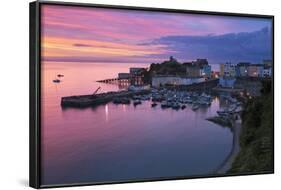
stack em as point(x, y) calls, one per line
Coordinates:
point(195, 107)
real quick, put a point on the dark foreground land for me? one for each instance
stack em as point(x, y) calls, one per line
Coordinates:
point(256, 140)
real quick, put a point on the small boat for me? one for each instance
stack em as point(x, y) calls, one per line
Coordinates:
point(189, 101)
point(145, 97)
point(60, 75)
point(238, 103)
point(125, 101)
point(176, 106)
point(137, 102)
point(183, 107)
point(121, 101)
point(233, 100)
point(157, 98)
point(56, 81)
point(201, 102)
point(204, 95)
point(136, 97)
point(116, 101)
point(153, 104)
point(195, 107)
point(227, 111)
point(222, 113)
point(165, 104)
point(205, 102)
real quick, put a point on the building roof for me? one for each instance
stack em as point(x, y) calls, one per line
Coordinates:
point(243, 64)
point(176, 76)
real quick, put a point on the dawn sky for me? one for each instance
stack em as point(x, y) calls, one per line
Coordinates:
point(84, 34)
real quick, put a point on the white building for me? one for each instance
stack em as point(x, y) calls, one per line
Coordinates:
point(228, 70)
point(158, 81)
point(267, 72)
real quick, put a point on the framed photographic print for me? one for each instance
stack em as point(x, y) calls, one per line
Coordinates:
point(130, 94)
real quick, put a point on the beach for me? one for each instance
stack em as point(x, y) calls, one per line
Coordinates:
point(226, 165)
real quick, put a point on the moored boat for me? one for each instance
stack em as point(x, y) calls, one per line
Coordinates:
point(195, 107)
point(153, 104)
point(176, 106)
point(137, 102)
point(56, 81)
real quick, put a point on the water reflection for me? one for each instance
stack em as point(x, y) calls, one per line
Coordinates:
point(124, 108)
point(106, 112)
point(122, 142)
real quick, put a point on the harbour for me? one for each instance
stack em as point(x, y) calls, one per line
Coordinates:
point(134, 111)
point(114, 136)
point(94, 100)
point(153, 95)
point(170, 95)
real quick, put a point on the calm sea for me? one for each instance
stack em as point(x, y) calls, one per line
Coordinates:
point(121, 142)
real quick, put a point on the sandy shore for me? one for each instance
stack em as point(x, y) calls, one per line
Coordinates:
point(226, 165)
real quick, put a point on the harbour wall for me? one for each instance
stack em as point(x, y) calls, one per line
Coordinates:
point(206, 85)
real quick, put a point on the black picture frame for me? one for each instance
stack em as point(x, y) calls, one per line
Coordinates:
point(35, 87)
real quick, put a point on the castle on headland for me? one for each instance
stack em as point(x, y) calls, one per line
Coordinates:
point(169, 72)
point(173, 72)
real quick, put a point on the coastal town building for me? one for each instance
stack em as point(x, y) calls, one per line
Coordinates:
point(230, 73)
point(198, 68)
point(255, 70)
point(158, 81)
point(206, 71)
point(124, 79)
point(267, 72)
point(246, 69)
point(134, 77)
point(267, 62)
point(221, 69)
point(215, 74)
point(200, 62)
point(228, 69)
point(193, 71)
point(242, 69)
point(134, 71)
point(172, 72)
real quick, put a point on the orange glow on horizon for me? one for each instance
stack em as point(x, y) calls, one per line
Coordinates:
point(63, 47)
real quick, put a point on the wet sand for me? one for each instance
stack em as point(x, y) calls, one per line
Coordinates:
point(226, 165)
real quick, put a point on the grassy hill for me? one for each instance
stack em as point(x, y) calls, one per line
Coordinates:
point(256, 143)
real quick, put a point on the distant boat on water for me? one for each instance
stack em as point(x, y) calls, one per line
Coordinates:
point(56, 81)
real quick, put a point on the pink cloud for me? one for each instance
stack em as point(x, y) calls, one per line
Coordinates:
point(122, 31)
